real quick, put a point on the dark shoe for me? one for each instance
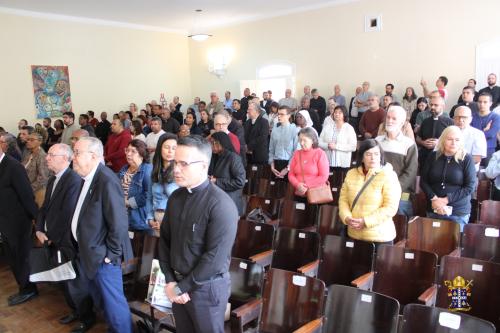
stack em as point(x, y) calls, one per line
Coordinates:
point(82, 327)
point(21, 298)
point(12, 296)
point(67, 319)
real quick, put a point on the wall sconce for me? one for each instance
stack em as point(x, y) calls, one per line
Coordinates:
point(218, 60)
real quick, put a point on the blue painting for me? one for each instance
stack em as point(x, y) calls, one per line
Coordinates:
point(51, 89)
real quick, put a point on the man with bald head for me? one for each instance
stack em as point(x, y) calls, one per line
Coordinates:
point(53, 222)
point(474, 139)
point(431, 128)
point(289, 101)
point(401, 152)
point(372, 118)
point(337, 97)
point(79, 133)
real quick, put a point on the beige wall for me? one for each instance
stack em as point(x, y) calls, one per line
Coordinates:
point(420, 38)
point(109, 67)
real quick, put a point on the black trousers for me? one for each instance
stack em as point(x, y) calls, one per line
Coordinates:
point(205, 312)
point(17, 249)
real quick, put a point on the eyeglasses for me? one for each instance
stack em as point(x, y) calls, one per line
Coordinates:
point(74, 138)
point(282, 114)
point(220, 124)
point(184, 164)
point(79, 152)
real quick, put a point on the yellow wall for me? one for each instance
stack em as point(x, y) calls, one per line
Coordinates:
point(419, 38)
point(109, 67)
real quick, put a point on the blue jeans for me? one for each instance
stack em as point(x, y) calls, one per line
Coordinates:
point(405, 208)
point(461, 220)
point(106, 290)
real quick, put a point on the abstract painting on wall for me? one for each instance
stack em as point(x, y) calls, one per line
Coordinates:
point(51, 89)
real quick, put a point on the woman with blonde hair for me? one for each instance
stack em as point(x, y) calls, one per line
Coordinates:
point(448, 178)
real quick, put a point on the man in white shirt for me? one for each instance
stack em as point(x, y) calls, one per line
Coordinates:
point(152, 138)
point(474, 139)
point(289, 101)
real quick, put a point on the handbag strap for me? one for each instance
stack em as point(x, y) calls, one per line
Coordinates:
point(365, 185)
point(302, 167)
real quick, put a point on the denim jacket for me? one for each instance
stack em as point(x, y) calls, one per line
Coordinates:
point(158, 195)
point(137, 196)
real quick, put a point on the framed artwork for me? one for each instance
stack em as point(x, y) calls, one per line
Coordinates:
point(51, 90)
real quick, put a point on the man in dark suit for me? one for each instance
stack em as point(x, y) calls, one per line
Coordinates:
point(100, 227)
point(17, 211)
point(53, 223)
point(256, 135)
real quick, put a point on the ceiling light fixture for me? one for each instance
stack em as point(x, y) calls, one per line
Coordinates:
point(197, 35)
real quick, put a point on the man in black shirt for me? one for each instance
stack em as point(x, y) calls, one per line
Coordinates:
point(431, 128)
point(318, 103)
point(493, 90)
point(467, 100)
point(196, 238)
point(103, 128)
point(169, 124)
point(245, 99)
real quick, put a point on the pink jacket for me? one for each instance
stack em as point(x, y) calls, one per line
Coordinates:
point(315, 165)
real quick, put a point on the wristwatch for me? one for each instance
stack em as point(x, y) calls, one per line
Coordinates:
point(177, 290)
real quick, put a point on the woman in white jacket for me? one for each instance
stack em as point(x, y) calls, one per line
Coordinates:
point(338, 140)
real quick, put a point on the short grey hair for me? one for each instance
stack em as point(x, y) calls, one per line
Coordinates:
point(94, 145)
point(65, 149)
point(399, 110)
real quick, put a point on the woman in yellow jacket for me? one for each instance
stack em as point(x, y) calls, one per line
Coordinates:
point(371, 217)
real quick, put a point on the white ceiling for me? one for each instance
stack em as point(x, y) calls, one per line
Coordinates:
point(166, 15)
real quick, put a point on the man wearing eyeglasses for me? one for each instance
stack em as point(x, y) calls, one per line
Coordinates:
point(195, 244)
point(53, 223)
point(99, 227)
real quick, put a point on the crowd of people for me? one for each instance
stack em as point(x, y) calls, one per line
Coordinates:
point(180, 171)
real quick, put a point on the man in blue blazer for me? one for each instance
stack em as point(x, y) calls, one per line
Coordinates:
point(100, 227)
point(17, 211)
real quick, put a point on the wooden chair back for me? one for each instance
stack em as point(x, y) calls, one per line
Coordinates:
point(419, 318)
point(352, 310)
point(247, 279)
point(481, 241)
point(401, 224)
point(433, 235)
point(404, 273)
point(271, 188)
point(490, 212)
point(483, 280)
point(252, 238)
point(294, 248)
point(298, 215)
point(343, 260)
point(290, 301)
point(269, 205)
point(329, 221)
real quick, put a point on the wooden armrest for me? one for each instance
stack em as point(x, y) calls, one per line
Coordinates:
point(365, 281)
point(245, 314)
point(264, 258)
point(312, 326)
point(275, 223)
point(310, 269)
point(428, 297)
point(401, 243)
point(247, 309)
point(455, 253)
point(311, 228)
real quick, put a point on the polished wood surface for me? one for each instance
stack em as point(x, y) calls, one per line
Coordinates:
point(433, 235)
point(343, 259)
point(490, 212)
point(252, 238)
point(352, 310)
point(269, 205)
point(298, 215)
point(484, 288)
point(329, 221)
point(481, 241)
point(295, 248)
point(420, 318)
point(290, 301)
point(271, 188)
point(404, 273)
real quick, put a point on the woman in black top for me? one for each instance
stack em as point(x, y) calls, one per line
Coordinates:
point(205, 124)
point(422, 105)
point(226, 169)
point(449, 178)
point(190, 121)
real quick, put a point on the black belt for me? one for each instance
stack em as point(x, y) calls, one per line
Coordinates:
point(179, 277)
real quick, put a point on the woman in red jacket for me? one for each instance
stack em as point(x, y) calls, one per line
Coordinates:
point(309, 166)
